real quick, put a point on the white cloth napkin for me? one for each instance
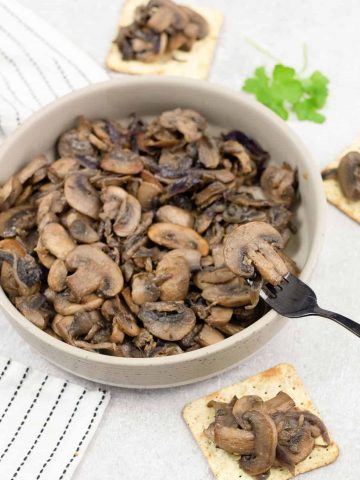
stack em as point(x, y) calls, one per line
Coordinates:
point(37, 65)
point(46, 423)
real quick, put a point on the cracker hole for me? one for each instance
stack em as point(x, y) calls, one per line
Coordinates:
point(254, 386)
point(327, 449)
point(302, 403)
point(279, 386)
point(293, 388)
point(310, 458)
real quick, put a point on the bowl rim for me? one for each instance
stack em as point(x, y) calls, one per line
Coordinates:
point(210, 88)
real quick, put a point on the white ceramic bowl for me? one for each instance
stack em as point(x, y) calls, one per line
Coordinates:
point(222, 108)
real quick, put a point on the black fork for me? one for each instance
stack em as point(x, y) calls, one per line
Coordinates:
point(293, 299)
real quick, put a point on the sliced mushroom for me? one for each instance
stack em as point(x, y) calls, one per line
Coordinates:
point(223, 413)
point(348, 174)
point(51, 203)
point(299, 446)
point(61, 168)
point(278, 184)
point(144, 289)
point(10, 192)
point(95, 272)
point(31, 168)
point(245, 404)
point(210, 193)
point(115, 311)
point(26, 272)
point(282, 402)
point(219, 316)
point(72, 326)
point(57, 241)
point(8, 279)
point(311, 420)
point(231, 294)
point(75, 142)
point(265, 442)
point(167, 320)
point(81, 195)
point(57, 276)
point(176, 236)
point(253, 245)
point(43, 254)
point(191, 256)
point(16, 220)
point(177, 278)
point(176, 215)
point(123, 208)
point(64, 306)
point(35, 308)
point(213, 276)
point(80, 227)
point(121, 161)
point(208, 336)
point(234, 440)
point(147, 194)
point(188, 122)
point(208, 153)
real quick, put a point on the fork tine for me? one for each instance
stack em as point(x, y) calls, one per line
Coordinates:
point(269, 290)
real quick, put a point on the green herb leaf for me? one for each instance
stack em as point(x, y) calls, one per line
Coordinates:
point(285, 91)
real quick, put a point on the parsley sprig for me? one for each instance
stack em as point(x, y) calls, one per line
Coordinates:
point(286, 91)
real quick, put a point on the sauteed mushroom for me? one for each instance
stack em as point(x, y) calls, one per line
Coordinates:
point(348, 174)
point(265, 434)
point(81, 195)
point(159, 28)
point(167, 320)
point(121, 236)
point(253, 245)
point(95, 272)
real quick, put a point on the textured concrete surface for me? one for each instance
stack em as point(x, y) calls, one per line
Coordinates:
point(142, 434)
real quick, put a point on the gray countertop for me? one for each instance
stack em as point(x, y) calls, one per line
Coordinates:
point(142, 434)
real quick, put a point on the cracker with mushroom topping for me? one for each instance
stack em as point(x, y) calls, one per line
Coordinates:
point(333, 191)
point(267, 384)
point(194, 64)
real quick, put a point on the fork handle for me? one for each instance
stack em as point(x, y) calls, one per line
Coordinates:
point(354, 327)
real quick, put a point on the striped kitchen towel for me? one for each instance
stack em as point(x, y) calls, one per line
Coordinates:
point(46, 423)
point(37, 65)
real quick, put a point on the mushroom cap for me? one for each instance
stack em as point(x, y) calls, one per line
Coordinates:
point(123, 208)
point(95, 272)
point(176, 236)
point(230, 294)
point(234, 440)
point(57, 276)
point(144, 289)
point(32, 167)
point(208, 336)
point(56, 240)
point(176, 286)
point(278, 183)
point(348, 174)
point(121, 161)
point(81, 195)
point(176, 215)
point(15, 219)
point(114, 310)
point(251, 246)
point(244, 404)
point(264, 430)
point(167, 320)
point(80, 227)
